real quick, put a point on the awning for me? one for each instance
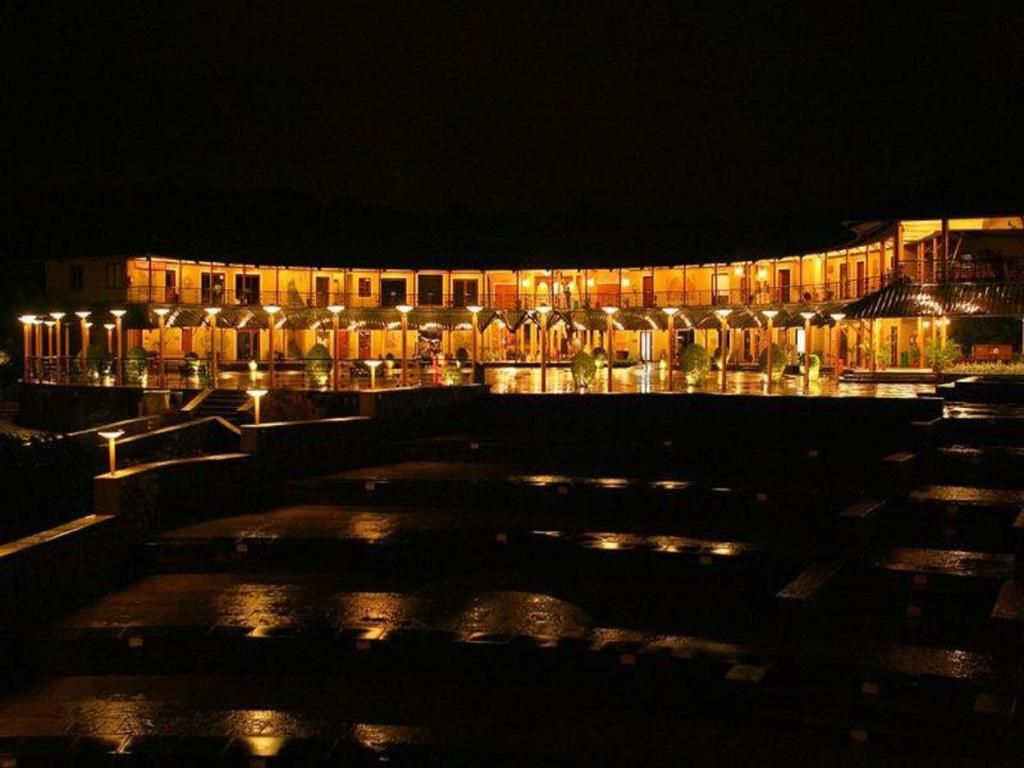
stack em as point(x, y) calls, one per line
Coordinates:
point(951, 299)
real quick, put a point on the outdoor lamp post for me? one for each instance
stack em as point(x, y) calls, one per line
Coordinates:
point(838, 317)
point(474, 310)
point(57, 317)
point(256, 394)
point(770, 314)
point(271, 310)
point(83, 318)
point(723, 315)
point(373, 365)
point(609, 341)
point(118, 314)
point(405, 309)
point(543, 310)
point(671, 313)
point(109, 327)
point(111, 438)
point(807, 347)
point(942, 323)
point(161, 315)
point(37, 325)
point(26, 325)
point(211, 314)
point(49, 336)
point(335, 310)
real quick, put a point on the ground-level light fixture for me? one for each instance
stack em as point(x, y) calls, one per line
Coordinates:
point(373, 365)
point(256, 395)
point(111, 438)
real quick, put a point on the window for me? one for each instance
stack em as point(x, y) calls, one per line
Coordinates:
point(431, 290)
point(115, 274)
point(77, 277)
point(365, 287)
point(392, 292)
point(464, 293)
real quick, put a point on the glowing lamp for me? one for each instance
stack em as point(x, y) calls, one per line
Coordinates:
point(256, 394)
point(111, 438)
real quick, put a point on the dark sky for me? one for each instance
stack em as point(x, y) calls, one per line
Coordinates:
point(522, 127)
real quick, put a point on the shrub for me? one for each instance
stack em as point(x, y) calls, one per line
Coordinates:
point(451, 375)
point(778, 360)
point(99, 361)
point(135, 364)
point(694, 363)
point(583, 369)
point(598, 354)
point(318, 364)
point(461, 355)
point(815, 372)
point(940, 357)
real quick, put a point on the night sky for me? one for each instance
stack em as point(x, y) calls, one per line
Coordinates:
point(531, 132)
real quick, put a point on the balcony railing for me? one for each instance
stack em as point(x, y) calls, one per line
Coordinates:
point(761, 295)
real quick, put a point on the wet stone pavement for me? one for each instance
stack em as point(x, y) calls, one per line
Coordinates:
point(463, 606)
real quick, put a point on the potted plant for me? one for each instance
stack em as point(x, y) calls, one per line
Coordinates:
point(694, 363)
point(778, 364)
point(583, 369)
point(318, 364)
point(136, 364)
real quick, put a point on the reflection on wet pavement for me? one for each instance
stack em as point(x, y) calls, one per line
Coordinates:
point(649, 378)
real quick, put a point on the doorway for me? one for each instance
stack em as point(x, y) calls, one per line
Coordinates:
point(785, 283)
point(247, 344)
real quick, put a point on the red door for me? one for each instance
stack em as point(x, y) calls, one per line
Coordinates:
point(649, 291)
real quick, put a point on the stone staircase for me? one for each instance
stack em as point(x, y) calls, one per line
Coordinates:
point(224, 403)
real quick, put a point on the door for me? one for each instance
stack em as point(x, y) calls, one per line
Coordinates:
point(430, 290)
point(170, 286)
point(247, 289)
point(505, 296)
point(212, 288)
point(364, 345)
point(721, 288)
point(465, 293)
point(649, 300)
point(860, 278)
point(844, 281)
point(392, 292)
point(894, 343)
point(323, 290)
point(646, 346)
point(247, 344)
point(785, 282)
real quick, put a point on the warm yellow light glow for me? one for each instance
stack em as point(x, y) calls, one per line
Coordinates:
point(212, 310)
point(762, 274)
point(625, 282)
point(161, 311)
point(807, 315)
point(543, 309)
point(591, 282)
point(28, 319)
point(927, 324)
point(610, 310)
point(118, 312)
point(271, 309)
point(474, 308)
point(670, 311)
point(525, 282)
point(82, 315)
point(256, 393)
point(404, 308)
point(112, 434)
point(57, 315)
point(111, 438)
point(109, 326)
point(770, 313)
point(335, 309)
point(723, 313)
point(838, 316)
point(738, 271)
